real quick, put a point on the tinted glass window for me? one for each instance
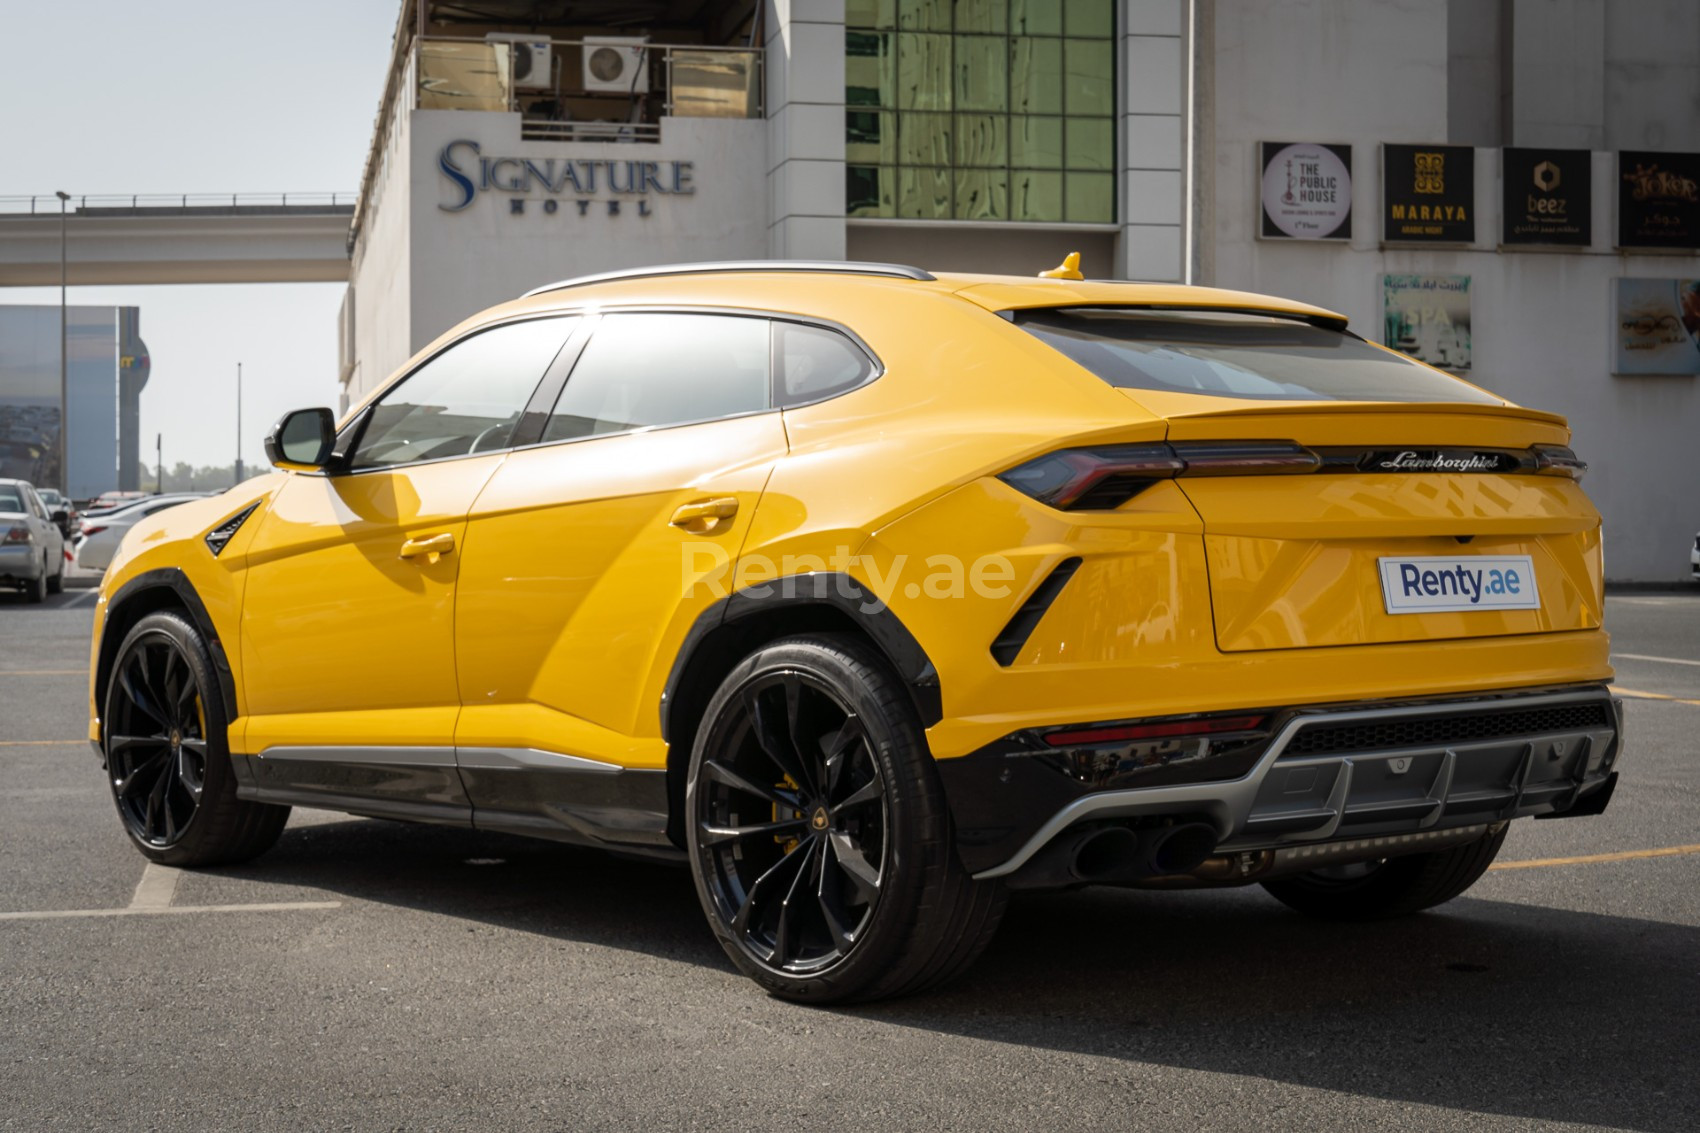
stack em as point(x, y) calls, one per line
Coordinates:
point(1231, 355)
point(644, 370)
point(811, 363)
point(467, 399)
point(11, 499)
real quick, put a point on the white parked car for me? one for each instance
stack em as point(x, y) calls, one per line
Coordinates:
point(1694, 557)
point(97, 539)
point(32, 552)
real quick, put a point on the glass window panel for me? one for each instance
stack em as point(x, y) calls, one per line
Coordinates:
point(923, 15)
point(813, 363)
point(1089, 197)
point(870, 137)
point(981, 72)
point(870, 13)
point(982, 140)
point(923, 194)
point(1035, 76)
point(1087, 17)
point(981, 16)
point(1035, 17)
point(923, 72)
point(646, 370)
point(1090, 143)
point(870, 70)
point(1089, 66)
point(869, 191)
point(466, 399)
point(982, 194)
point(923, 139)
point(1035, 195)
point(1036, 143)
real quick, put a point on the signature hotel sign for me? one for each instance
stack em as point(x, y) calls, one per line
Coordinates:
point(1428, 194)
point(1548, 196)
point(555, 184)
point(1306, 191)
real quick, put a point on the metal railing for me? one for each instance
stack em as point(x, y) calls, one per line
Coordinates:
point(48, 203)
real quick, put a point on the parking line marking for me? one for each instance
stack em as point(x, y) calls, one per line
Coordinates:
point(1589, 859)
point(1635, 694)
point(38, 743)
point(44, 672)
point(156, 888)
point(269, 907)
point(1649, 657)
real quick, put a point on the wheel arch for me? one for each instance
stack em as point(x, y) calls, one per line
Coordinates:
point(166, 588)
point(729, 630)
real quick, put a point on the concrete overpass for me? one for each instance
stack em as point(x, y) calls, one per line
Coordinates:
point(281, 238)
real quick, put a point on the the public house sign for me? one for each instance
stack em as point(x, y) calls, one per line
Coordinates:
point(555, 183)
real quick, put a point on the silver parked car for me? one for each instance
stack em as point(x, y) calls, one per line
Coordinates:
point(32, 551)
point(97, 539)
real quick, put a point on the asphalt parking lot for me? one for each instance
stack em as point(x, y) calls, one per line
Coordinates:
point(370, 975)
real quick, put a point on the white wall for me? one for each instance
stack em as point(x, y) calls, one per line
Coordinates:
point(380, 272)
point(1374, 71)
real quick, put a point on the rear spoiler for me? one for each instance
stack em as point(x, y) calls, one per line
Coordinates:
point(1323, 321)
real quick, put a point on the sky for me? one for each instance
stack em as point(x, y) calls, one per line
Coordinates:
point(192, 96)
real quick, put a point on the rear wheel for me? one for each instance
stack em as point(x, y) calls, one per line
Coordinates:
point(56, 583)
point(167, 764)
point(35, 589)
point(818, 833)
point(1392, 887)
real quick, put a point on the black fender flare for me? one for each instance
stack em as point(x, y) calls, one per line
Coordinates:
point(174, 580)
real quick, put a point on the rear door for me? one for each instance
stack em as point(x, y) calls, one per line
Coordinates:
point(1429, 513)
point(589, 554)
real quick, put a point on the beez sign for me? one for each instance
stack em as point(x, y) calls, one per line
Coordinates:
point(1428, 194)
point(1548, 196)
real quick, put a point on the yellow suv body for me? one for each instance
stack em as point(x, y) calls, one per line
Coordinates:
point(1053, 580)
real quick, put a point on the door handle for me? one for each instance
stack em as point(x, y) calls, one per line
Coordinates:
point(704, 516)
point(433, 547)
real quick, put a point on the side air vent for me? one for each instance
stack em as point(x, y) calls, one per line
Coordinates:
point(222, 534)
point(1021, 626)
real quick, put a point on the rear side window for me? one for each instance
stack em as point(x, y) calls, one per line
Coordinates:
point(813, 363)
point(1226, 354)
point(643, 370)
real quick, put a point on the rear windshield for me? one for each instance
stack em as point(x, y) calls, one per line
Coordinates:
point(1235, 355)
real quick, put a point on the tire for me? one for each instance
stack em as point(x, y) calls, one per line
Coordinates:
point(35, 589)
point(1395, 887)
point(56, 584)
point(811, 774)
point(168, 765)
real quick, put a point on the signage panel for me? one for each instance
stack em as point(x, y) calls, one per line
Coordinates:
point(1658, 326)
point(1658, 200)
point(1428, 194)
point(1428, 317)
point(1306, 191)
point(1548, 196)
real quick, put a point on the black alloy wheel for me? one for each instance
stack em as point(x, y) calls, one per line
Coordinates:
point(818, 833)
point(163, 734)
point(156, 745)
point(793, 821)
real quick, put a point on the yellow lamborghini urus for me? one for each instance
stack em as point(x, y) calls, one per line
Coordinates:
point(873, 594)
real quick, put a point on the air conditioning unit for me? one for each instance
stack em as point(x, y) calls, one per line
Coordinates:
point(530, 56)
point(616, 64)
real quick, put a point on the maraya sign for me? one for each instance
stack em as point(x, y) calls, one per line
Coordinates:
point(471, 173)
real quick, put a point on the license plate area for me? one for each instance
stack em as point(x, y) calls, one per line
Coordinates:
point(1430, 584)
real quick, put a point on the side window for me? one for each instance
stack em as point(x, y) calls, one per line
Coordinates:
point(642, 370)
point(813, 363)
point(36, 505)
point(467, 399)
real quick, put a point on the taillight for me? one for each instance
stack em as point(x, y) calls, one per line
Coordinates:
point(1099, 479)
point(1140, 753)
point(1557, 460)
point(19, 534)
point(94, 529)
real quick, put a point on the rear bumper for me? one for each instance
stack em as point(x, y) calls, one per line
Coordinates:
point(20, 561)
point(1387, 769)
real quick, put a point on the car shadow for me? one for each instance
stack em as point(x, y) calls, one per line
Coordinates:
point(1486, 1006)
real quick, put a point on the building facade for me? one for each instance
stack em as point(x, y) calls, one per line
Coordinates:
point(1506, 188)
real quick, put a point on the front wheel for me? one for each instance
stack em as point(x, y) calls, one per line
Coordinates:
point(818, 833)
point(1392, 887)
point(163, 731)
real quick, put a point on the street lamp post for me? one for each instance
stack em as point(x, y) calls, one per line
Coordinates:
point(64, 384)
point(239, 422)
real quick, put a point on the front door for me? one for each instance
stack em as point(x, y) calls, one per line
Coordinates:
point(348, 613)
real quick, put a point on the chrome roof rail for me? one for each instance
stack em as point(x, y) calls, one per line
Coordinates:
point(838, 267)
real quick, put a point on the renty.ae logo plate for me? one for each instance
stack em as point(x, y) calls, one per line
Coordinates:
point(1427, 584)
